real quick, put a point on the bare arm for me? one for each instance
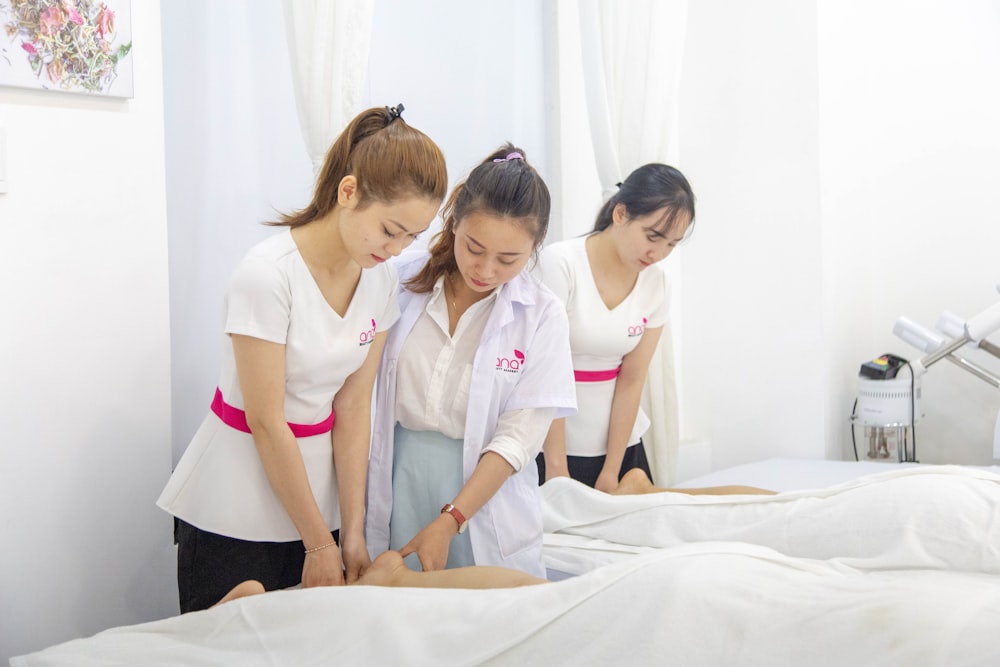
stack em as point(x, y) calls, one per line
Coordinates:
point(554, 451)
point(431, 543)
point(351, 438)
point(625, 406)
point(260, 365)
point(515, 444)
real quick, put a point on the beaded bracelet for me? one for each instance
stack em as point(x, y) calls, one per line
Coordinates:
point(325, 546)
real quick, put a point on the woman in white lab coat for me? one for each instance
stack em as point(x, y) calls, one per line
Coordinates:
point(472, 375)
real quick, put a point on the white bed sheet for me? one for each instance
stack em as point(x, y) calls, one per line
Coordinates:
point(926, 517)
point(700, 604)
point(793, 474)
point(910, 598)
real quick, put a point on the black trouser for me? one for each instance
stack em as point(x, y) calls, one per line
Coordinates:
point(587, 469)
point(210, 565)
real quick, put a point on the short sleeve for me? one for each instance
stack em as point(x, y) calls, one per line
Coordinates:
point(390, 312)
point(520, 434)
point(258, 301)
point(554, 272)
point(658, 317)
point(547, 379)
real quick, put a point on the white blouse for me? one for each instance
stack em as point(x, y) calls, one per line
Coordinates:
point(435, 373)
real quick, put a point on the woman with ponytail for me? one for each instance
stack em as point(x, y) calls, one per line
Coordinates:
point(471, 378)
point(615, 293)
point(271, 487)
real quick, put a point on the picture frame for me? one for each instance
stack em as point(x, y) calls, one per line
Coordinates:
point(70, 46)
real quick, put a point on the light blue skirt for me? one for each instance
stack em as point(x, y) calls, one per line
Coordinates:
point(426, 474)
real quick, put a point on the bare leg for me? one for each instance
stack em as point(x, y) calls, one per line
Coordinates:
point(635, 482)
point(390, 570)
point(242, 590)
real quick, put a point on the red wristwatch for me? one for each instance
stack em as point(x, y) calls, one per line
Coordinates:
point(458, 516)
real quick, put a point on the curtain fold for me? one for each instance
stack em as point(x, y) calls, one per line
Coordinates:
point(328, 44)
point(631, 53)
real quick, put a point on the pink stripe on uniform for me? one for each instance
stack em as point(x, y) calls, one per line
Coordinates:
point(596, 376)
point(236, 418)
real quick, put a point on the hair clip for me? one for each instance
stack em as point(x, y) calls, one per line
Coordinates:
point(510, 156)
point(395, 112)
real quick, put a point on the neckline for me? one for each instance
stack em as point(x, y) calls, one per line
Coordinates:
point(591, 274)
point(318, 290)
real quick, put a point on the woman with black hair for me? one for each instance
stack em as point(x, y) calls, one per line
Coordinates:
point(616, 297)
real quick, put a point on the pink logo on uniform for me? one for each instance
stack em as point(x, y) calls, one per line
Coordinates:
point(637, 329)
point(508, 365)
point(367, 337)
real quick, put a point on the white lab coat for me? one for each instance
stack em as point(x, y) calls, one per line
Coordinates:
point(526, 316)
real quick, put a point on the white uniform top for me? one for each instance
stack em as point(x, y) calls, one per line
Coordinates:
point(600, 338)
point(522, 362)
point(219, 484)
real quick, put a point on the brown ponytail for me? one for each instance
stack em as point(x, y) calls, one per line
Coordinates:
point(390, 160)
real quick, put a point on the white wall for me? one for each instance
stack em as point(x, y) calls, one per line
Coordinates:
point(844, 155)
point(234, 159)
point(470, 77)
point(910, 149)
point(753, 382)
point(84, 359)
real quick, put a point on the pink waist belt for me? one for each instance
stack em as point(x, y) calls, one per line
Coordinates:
point(596, 376)
point(236, 418)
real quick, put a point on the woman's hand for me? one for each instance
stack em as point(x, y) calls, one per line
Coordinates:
point(356, 558)
point(432, 542)
point(552, 474)
point(607, 481)
point(323, 568)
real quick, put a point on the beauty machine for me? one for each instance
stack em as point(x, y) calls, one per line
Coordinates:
point(888, 404)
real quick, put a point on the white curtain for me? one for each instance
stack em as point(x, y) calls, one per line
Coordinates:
point(328, 42)
point(631, 55)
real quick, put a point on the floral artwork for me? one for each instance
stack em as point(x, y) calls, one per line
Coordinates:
point(78, 46)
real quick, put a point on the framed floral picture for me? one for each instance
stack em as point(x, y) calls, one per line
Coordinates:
point(74, 46)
